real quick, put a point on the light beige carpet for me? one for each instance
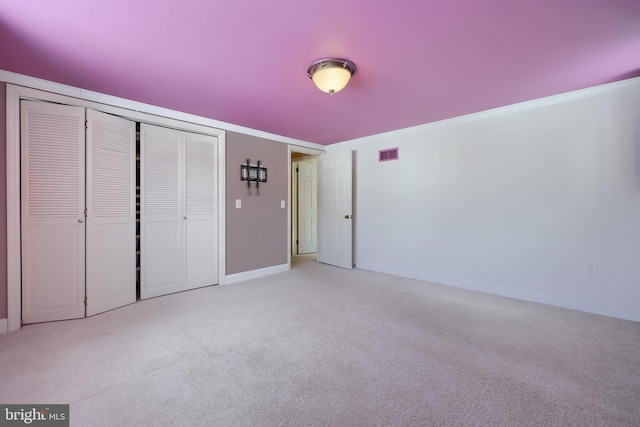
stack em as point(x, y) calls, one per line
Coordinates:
point(322, 346)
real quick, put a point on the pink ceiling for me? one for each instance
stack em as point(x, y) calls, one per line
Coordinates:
point(244, 61)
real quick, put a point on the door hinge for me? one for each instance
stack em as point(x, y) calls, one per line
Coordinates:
point(86, 124)
point(85, 301)
point(85, 213)
point(297, 242)
point(297, 170)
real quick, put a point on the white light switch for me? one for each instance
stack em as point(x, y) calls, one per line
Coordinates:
point(238, 203)
point(282, 204)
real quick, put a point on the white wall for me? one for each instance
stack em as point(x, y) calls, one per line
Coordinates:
point(516, 201)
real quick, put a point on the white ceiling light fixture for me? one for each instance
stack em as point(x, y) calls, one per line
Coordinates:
point(331, 75)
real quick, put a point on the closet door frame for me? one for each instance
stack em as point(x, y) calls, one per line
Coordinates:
point(131, 110)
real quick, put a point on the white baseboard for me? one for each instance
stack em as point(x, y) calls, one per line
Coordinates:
point(4, 326)
point(255, 274)
point(619, 312)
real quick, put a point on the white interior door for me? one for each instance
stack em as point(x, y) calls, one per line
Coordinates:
point(53, 196)
point(161, 227)
point(201, 227)
point(111, 212)
point(307, 206)
point(335, 236)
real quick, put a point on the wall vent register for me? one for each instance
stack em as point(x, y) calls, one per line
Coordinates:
point(389, 154)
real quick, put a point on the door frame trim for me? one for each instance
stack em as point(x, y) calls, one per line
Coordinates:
point(303, 150)
point(136, 111)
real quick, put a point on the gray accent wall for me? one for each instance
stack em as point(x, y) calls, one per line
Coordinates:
point(257, 232)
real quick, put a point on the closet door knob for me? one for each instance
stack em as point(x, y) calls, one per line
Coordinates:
point(80, 221)
point(185, 217)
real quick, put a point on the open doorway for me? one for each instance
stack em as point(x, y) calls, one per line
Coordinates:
point(303, 206)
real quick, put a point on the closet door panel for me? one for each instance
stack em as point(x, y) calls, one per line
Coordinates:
point(201, 255)
point(111, 212)
point(52, 210)
point(162, 250)
point(161, 231)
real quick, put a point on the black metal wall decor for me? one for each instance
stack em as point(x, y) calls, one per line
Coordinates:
point(253, 173)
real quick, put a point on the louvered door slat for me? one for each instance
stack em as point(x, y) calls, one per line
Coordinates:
point(162, 172)
point(113, 162)
point(201, 173)
point(53, 149)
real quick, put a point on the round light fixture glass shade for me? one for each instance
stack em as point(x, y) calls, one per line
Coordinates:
point(331, 75)
point(331, 80)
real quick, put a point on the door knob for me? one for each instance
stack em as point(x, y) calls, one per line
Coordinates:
point(80, 221)
point(347, 217)
point(185, 217)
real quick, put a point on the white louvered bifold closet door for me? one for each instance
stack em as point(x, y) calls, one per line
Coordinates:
point(178, 215)
point(161, 226)
point(111, 212)
point(53, 229)
point(201, 229)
